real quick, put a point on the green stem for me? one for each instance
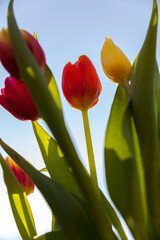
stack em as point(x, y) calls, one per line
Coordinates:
point(90, 151)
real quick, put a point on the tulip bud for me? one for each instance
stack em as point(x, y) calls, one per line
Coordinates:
point(115, 64)
point(22, 177)
point(80, 83)
point(7, 55)
point(17, 100)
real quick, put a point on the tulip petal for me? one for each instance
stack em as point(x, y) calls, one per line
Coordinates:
point(16, 99)
point(21, 176)
point(80, 83)
point(115, 64)
point(7, 55)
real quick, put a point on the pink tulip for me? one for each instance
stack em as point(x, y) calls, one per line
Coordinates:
point(7, 55)
point(16, 99)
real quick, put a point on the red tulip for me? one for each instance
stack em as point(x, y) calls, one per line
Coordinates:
point(80, 83)
point(16, 99)
point(7, 55)
point(22, 177)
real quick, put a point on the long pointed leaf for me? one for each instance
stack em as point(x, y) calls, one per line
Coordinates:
point(157, 103)
point(55, 161)
point(118, 156)
point(144, 113)
point(121, 169)
point(113, 217)
point(52, 86)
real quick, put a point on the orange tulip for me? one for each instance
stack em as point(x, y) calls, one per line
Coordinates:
point(22, 177)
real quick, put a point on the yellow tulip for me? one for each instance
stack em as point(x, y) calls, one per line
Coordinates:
point(115, 64)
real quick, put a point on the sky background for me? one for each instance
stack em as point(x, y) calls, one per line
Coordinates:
point(66, 30)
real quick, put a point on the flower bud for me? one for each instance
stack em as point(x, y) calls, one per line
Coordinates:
point(115, 64)
point(7, 55)
point(80, 83)
point(22, 177)
point(16, 99)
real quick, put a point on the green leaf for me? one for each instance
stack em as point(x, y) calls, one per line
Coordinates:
point(113, 216)
point(66, 208)
point(139, 201)
point(118, 159)
point(124, 181)
point(19, 204)
point(56, 235)
point(60, 172)
point(157, 103)
point(118, 156)
point(52, 86)
point(55, 161)
point(52, 115)
point(143, 89)
point(43, 170)
point(53, 222)
point(144, 113)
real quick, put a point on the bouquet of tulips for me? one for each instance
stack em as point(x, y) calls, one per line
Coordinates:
point(80, 210)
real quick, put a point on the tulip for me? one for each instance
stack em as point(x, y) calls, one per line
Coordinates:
point(22, 177)
point(81, 87)
point(115, 64)
point(16, 99)
point(7, 55)
point(80, 83)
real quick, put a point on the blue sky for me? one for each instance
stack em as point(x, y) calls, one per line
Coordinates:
point(66, 30)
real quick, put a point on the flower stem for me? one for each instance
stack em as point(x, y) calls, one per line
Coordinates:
point(90, 151)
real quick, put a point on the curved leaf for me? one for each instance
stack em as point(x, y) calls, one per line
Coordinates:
point(121, 162)
point(113, 217)
point(144, 113)
point(157, 103)
point(55, 161)
point(118, 163)
point(52, 86)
